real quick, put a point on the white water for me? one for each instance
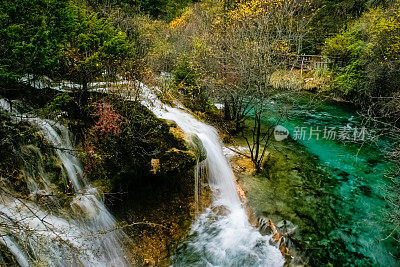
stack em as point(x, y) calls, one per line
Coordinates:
point(222, 236)
point(200, 175)
point(84, 235)
point(15, 250)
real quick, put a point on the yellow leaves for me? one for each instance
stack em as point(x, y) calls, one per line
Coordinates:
point(177, 22)
point(200, 47)
point(282, 46)
point(386, 34)
point(182, 20)
point(256, 8)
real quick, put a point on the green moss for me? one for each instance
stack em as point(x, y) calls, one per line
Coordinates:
point(124, 159)
point(292, 187)
point(197, 147)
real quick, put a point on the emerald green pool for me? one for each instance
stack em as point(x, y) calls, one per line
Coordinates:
point(355, 177)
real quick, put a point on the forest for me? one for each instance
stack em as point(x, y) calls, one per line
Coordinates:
point(199, 132)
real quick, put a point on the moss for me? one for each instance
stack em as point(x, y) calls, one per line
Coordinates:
point(126, 157)
point(197, 147)
point(174, 161)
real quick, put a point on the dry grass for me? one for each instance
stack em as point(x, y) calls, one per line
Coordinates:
point(314, 80)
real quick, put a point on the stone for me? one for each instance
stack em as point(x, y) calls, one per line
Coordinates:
point(286, 227)
point(176, 161)
point(196, 145)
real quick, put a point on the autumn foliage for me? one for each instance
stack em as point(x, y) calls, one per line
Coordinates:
point(108, 122)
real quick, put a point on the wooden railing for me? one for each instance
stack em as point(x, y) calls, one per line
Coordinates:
point(312, 62)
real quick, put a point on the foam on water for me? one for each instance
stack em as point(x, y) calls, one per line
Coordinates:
point(87, 236)
point(222, 236)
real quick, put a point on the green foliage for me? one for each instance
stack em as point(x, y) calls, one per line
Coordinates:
point(60, 39)
point(331, 16)
point(167, 9)
point(184, 81)
point(369, 51)
point(60, 102)
point(30, 36)
point(93, 46)
point(184, 74)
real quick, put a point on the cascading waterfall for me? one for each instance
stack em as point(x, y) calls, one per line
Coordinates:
point(88, 237)
point(15, 250)
point(222, 236)
point(200, 174)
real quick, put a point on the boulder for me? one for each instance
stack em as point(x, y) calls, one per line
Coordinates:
point(175, 161)
point(286, 227)
point(196, 145)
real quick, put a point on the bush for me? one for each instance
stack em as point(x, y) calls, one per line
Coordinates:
point(369, 51)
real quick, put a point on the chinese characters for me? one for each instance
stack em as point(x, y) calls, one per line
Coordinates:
point(344, 133)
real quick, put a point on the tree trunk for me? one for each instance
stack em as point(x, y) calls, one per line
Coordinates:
point(227, 112)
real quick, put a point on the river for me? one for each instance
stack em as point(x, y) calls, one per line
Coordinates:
point(355, 174)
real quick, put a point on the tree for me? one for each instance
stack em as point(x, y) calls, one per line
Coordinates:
point(370, 50)
point(95, 48)
point(61, 40)
point(234, 47)
point(258, 38)
point(31, 32)
point(261, 134)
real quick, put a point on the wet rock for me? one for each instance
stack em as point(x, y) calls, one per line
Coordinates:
point(196, 145)
point(41, 197)
point(220, 210)
point(266, 226)
point(171, 123)
point(283, 249)
point(85, 205)
point(276, 237)
point(286, 227)
point(177, 133)
point(281, 234)
point(241, 194)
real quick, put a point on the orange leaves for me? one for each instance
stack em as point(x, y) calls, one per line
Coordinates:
point(180, 21)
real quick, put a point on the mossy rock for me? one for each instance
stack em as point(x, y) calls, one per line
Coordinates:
point(176, 161)
point(179, 135)
point(196, 145)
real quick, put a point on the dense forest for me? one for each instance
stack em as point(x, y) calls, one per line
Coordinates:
point(107, 107)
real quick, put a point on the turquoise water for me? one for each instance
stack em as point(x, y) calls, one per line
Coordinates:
point(356, 175)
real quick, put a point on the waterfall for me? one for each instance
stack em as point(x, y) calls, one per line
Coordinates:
point(15, 250)
point(200, 174)
point(222, 235)
point(84, 234)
